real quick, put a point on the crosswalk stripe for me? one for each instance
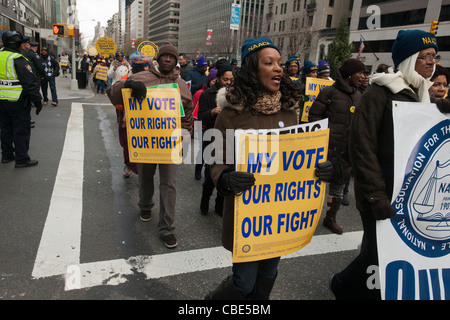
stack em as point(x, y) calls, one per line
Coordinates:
point(59, 248)
point(60, 241)
point(115, 272)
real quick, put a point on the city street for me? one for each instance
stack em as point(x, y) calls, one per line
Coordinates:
point(70, 227)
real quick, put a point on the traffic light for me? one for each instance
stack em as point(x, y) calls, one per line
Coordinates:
point(434, 27)
point(70, 30)
point(58, 29)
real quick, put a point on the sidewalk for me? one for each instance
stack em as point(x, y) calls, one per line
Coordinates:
point(63, 89)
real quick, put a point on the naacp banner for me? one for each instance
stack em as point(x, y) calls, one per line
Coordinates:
point(414, 245)
point(280, 213)
point(154, 126)
point(313, 88)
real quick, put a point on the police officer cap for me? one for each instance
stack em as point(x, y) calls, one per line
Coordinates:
point(12, 39)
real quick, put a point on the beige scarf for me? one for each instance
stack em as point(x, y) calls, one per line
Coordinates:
point(269, 103)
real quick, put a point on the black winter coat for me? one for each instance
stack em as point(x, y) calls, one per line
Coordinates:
point(337, 103)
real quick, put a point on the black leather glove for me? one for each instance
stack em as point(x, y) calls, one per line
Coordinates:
point(38, 105)
point(138, 87)
point(324, 171)
point(381, 209)
point(237, 182)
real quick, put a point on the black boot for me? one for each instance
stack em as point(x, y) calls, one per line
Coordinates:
point(263, 288)
point(219, 204)
point(204, 205)
point(225, 291)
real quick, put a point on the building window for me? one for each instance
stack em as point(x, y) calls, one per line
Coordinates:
point(329, 20)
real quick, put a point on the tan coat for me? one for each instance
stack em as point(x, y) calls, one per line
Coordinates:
point(232, 117)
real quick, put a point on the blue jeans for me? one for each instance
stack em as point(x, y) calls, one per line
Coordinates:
point(44, 86)
point(245, 274)
point(101, 86)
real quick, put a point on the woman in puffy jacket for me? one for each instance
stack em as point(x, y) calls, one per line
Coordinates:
point(337, 103)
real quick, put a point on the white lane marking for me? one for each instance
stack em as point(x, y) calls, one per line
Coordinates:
point(115, 272)
point(61, 237)
point(59, 249)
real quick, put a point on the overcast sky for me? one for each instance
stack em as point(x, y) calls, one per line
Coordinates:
point(99, 10)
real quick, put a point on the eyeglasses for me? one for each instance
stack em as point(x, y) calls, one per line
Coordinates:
point(428, 57)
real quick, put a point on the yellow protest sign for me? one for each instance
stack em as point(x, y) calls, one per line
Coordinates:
point(280, 213)
point(154, 126)
point(313, 87)
point(148, 48)
point(106, 46)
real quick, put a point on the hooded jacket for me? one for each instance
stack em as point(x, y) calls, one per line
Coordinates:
point(154, 78)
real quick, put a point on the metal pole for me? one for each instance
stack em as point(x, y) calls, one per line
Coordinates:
point(74, 82)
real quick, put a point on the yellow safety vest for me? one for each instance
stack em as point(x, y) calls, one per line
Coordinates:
point(10, 87)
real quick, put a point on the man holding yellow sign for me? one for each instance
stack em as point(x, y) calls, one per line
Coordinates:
point(154, 121)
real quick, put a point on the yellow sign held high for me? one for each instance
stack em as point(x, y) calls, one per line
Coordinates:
point(106, 46)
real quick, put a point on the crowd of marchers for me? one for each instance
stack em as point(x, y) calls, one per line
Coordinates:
point(263, 92)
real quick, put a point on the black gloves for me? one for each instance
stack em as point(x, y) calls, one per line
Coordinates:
point(381, 209)
point(237, 182)
point(38, 105)
point(139, 89)
point(324, 171)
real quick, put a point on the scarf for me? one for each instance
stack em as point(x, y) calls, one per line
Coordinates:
point(405, 77)
point(269, 103)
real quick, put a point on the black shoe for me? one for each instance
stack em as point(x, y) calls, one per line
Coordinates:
point(344, 200)
point(204, 205)
point(170, 241)
point(145, 215)
point(29, 163)
point(6, 160)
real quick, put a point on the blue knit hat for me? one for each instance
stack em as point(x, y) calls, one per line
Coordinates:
point(409, 42)
point(309, 67)
point(138, 59)
point(202, 62)
point(252, 45)
point(291, 60)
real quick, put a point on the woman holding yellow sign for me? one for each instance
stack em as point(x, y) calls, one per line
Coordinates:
point(261, 97)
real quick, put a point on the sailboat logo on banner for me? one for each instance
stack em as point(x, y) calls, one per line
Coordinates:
point(423, 203)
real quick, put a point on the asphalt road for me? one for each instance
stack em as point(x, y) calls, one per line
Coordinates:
point(117, 250)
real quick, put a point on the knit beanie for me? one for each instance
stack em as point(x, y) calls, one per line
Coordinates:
point(167, 48)
point(139, 59)
point(292, 60)
point(324, 68)
point(252, 45)
point(212, 75)
point(223, 66)
point(351, 66)
point(309, 67)
point(409, 42)
point(202, 62)
point(323, 63)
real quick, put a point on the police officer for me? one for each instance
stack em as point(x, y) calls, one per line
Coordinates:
point(19, 89)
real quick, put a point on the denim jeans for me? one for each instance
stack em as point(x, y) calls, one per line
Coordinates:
point(246, 273)
point(101, 86)
point(44, 86)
